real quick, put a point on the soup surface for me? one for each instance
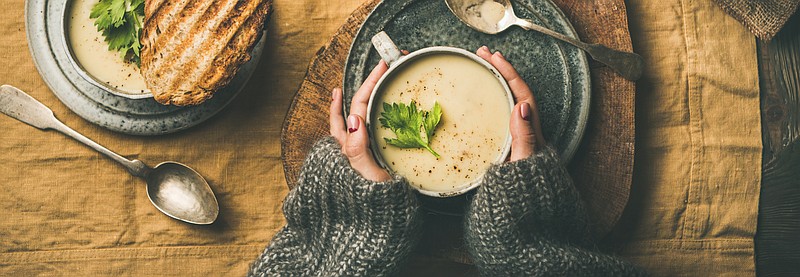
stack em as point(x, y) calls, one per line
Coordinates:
point(473, 129)
point(92, 52)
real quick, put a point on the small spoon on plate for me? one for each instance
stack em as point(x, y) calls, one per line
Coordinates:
point(175, 189)
point(494, 16)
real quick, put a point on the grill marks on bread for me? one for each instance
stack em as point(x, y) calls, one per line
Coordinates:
point(191, 48)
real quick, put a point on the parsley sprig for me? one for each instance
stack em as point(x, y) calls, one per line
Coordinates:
point(121, 24)
point(413, 128)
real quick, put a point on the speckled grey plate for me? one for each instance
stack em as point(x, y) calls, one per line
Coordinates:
point(558, 74)
point(48, 46)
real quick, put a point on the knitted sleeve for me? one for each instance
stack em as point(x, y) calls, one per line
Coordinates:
point(527, 219)
point(340, 224)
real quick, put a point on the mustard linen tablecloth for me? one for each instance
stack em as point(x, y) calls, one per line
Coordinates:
point(697, 173)
point(66, 210)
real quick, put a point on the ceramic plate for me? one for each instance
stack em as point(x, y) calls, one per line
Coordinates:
point(557, 73)
point(45, 30)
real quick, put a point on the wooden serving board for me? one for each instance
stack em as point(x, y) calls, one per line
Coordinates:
point(603, 166)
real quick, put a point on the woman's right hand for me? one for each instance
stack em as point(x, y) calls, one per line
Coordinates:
point(526, 130)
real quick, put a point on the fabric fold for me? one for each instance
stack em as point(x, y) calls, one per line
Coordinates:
point(763, 17)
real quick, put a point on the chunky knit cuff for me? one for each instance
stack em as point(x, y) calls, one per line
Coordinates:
point(537, 190)
point(527, 219)
point(340, 224)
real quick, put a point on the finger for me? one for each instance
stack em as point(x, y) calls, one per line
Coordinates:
point(523, 135)
point(405, 52)
point(361, 99)
point(484, 53)
point(536, 123)
point(337, 128)
point(358, 152)
point(520, 89)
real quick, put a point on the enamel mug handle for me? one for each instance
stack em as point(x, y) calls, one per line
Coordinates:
point(386, 48)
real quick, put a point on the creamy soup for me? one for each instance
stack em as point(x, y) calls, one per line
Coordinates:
point(91, 52)
point(474, 126)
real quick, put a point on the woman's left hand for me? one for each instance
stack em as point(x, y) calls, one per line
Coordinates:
point(353, 136)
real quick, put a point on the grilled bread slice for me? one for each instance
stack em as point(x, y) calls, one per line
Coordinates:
point(191, 48)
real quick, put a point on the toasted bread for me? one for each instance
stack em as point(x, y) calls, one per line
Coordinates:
point(191, 48)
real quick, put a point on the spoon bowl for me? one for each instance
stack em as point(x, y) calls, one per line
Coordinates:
point(486, 16)
point(181, 193)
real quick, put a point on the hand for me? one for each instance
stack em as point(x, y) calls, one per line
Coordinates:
point(526, 130)
point(355, 138)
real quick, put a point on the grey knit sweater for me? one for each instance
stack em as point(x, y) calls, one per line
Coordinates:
point(525, 220)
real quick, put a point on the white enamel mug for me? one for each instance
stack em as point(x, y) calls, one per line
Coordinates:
point(393, 57)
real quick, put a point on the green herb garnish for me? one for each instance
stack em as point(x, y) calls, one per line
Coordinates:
point(121, 24)
point(413, 128)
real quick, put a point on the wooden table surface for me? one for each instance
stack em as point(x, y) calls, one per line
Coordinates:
point(778, 234)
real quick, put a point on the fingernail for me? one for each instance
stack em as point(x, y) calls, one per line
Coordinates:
point(352, 120)
point(525, 111)
point(485, 48)
point(500, 54)
point(334, 92)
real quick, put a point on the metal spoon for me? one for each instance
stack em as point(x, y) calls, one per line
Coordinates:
point(494, 16)
point(175, 189)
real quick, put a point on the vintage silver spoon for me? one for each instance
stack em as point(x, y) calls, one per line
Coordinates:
point(494, 16)
point(175, 189)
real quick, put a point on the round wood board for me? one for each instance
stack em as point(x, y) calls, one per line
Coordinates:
point(603, 165)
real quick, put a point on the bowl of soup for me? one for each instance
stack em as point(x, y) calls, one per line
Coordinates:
point(472, 133)
point(90, 55)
